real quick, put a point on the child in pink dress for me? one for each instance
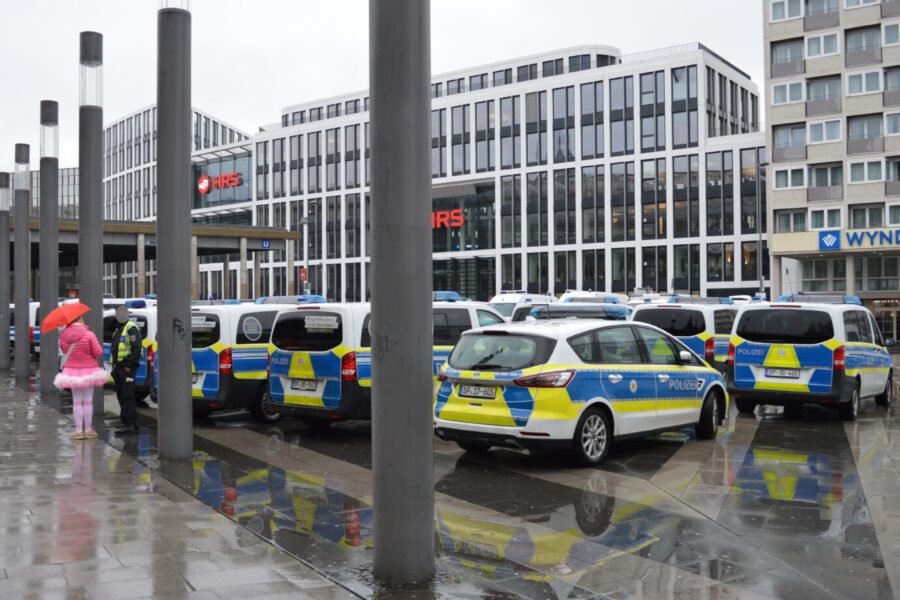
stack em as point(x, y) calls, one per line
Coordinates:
point(81, 374)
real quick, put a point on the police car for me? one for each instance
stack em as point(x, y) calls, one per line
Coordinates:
point(575, 385)
point(702, 324)
point(801, 349)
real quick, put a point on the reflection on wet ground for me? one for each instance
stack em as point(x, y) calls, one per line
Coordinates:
point(773, 508)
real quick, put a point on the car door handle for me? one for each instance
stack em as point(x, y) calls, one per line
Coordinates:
point(663, 377)
point(614, 378)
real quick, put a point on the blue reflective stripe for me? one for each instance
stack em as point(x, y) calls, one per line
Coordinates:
point(694, 343)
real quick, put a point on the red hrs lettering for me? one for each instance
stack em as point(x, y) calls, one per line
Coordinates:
point(448, 218)
point(206, 184)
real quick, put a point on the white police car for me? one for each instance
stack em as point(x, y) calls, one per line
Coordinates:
point(575, 384)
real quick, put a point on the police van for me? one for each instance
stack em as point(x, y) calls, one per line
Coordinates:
point(320, 361)
point(515, 305)
point(145, 319)
point(801, 349)
point(702, 324)
point(577, 296)
point(576, 385)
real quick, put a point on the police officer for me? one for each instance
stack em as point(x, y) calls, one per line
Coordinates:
point(125, 356)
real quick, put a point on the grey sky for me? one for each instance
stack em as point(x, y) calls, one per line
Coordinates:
point(253, 57)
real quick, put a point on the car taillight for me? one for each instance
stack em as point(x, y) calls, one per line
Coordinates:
point(226, 365)
point(31, 335)
point(710, 349)
point(731, 354)
point(348, 367)
point(150, 356)
point(839, 359)
point(553, 379)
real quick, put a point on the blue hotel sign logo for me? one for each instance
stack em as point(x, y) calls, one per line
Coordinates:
point(876, 238)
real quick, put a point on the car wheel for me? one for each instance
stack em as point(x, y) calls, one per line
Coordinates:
point(744, 405)
point(850, 410)
point(886, 398)
point(473, 446)
point(593, 437)
point(708, 425)
point(260, 411)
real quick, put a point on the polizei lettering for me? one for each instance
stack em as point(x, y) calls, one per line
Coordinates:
point(685, 385)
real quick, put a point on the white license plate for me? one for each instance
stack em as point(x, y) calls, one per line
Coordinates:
point(304, 385)
point(784, 373)
point(477, 391)
point(193, 378)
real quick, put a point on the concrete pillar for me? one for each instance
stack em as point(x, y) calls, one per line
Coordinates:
point(243, 292)
point(22, 270)
point(257, 275)
point(402, 440)
point(5, 199)
point(141, 266)
point(775, 274)
point(173, 92)
point(49, 242)
point(291, 275)
point(120, 281)
point(90, 201)
point(227, 292)
point(851, 275)
point(195, 270)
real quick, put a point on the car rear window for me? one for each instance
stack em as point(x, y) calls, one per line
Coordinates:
point(724, 320)
point(500, 352)
point(308, 331)
point(255, 328)
point(110, 324)
point(680, 322)
point(785, 326)
point(205, 330)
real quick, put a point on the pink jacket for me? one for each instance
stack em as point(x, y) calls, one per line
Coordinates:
point(86, 351)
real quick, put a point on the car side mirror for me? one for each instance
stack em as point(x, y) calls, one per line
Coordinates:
point(684, 357)
point(889, 342)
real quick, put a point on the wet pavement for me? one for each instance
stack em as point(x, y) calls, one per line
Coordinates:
point(773, 508)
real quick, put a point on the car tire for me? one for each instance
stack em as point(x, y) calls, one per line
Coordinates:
point(886, 398)
point(850, 410)
point(593, 437)
point(474, 447)
point(745, 406)
point(258, 410)
point(708, 425)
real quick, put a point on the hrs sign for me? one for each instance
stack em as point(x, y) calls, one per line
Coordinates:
point(452, 219)
point(207, 184)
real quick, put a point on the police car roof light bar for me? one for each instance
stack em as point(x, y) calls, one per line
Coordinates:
point(820, 299)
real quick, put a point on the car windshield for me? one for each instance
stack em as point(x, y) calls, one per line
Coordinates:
point(504, 308)
point(785, 326)
point(679, 322)
point(500, 352)
point(205, 330)
point(308, 331)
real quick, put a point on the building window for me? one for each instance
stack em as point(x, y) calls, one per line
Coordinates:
point(749, 172)
point(866, 217)
point(789, 136)
point(686, 278)
point(352, 155)
point(593, 270)
point(890, 34)
point(502, 77)
point(622, 202)
point(564, 124)
point(536, 208)
point(592, 120)
point(368, 159)
point(653, 268)
point(720, 262)
point(439, 143)
point(314, 162)
point(262, 170)
point(352, 225)
point(456, 86)
point(894, 214)
point(653, 111)
point(564, 207)
point(790, 221)
point(825, 44)
point(593, 203)
point(623, 279)
point(859, 3)
point(868, 82)
point(686, 196)
point(553, 67)
point(566, 271)
point(296, 142)
point(510, 133)
point(719, 193)
point(538, 280)
point(788, 92)
point(527, 72)
point(825, 218)
point(866, 171)
point(684, 107)
point(653, 199)
point(460, 139)
point(821, 132)
point(333, 159)
point(351, 107)
point(892, 124)
point(511, 271)
point(536, 128)
point(278, 165)
point(333, 110)
point(780, 10)
point(333, 226)
point(621, 116)
point(478, 82)
point(352, 289)
point(484, 136)
point(814, 275)
point(788, 179)
point(436, 90)
point(511, 211)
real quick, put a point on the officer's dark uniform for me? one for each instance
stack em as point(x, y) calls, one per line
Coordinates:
point(125, 351)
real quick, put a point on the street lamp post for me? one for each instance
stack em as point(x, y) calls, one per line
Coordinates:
point(22, 257)
point(49, 240)
point(90, 202)
point(759, 237)
point(304, 222)
point(5, 200)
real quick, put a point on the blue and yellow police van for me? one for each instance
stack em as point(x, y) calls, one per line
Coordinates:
point(826, 350)
point(145, 319)
point(701, 324)
point(320, 364)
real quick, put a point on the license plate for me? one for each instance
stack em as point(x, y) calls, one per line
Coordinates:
point(784, 373)
point(304, 385)
point(477, 391)
point(193, 378)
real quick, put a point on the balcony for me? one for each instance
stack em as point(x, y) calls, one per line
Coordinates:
point(824, 193)
point(862, 56)
point(788, 68)
point(890, 8)
point(865, 145)
point(891, 97)
point(823, 106)
point(822, 20)
point(788, 153)
point(892, 188)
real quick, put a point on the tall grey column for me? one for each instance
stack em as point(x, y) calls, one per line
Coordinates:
point(49, 240)
point(173, 231)
point(243, 288)
point(90, 198)
point(22, 265)
point(400, 77)
point(5, 200)
point(141, 266)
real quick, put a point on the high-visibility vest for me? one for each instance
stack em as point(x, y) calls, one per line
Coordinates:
point(124, 343)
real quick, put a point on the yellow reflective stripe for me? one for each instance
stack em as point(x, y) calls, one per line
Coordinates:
point(780, 386)
point(250, 374)
point(852, 372)
point(634, 406)
point(302, 400)
point(782, 355)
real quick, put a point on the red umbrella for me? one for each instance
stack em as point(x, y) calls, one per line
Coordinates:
point(64, 315)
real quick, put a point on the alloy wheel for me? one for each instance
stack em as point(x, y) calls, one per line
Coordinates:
point(593, 437)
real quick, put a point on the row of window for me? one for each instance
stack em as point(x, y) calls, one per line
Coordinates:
point(872, 274)
point(67, 193)
point(871, 170)
point(730, 108)
point(828, 43)
point(861, 216)
point(863, 127)
point(857, 83)
point(783, 10)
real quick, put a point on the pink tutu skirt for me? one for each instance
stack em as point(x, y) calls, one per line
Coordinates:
point(77, 379)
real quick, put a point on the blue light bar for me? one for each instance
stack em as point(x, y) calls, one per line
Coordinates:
point(135, 304)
